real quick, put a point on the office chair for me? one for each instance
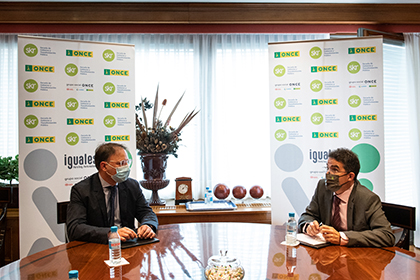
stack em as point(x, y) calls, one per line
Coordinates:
point(403, 217)
point(62, 216)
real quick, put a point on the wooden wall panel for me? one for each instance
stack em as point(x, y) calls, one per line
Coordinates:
point(204, 13)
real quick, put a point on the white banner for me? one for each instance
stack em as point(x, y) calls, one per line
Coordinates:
point(73, 95)
point(324, 95)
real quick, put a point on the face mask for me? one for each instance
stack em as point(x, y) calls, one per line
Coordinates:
point(122, 173)
point(332, 182)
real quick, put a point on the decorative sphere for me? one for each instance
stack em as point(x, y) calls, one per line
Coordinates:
point(239, 192)
point(221, 191)
point(256, 192)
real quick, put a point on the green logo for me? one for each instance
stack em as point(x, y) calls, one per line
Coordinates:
point(31, 121)
point(72, 104)
point(317, 118)
point(280, 135)
point(109, 88)
point(353, 67)
point(278, 259)
point(71, 69)
point(72, 138)
point(30, 85)
point(355, 134)
point(315, 52)
point(108, 55)
point(30, 50)
point(109, 121)
point(279, 70)
point(354, 101)
point(280, 103)
point(316, 85)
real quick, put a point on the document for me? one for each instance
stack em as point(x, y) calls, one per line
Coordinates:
point(317, 241)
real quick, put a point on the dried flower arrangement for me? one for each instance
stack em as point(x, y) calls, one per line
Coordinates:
point(158, 137)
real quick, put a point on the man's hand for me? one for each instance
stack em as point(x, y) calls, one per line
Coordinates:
point(145, 232)
point(126, 234)
point(313, 228)
point(330, 234)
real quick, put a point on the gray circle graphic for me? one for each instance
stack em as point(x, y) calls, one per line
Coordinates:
point(40, 165)
point(288, 157)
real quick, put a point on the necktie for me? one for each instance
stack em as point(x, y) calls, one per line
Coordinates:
point(336, 219)
point(111, 210)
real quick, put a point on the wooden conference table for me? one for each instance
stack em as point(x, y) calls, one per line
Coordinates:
point(184, 249)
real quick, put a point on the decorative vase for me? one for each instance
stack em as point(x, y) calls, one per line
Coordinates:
point(154, 167)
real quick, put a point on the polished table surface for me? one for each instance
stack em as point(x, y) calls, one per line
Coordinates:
point(184, 249)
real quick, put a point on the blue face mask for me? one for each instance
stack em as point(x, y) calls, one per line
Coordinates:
point(122, 173)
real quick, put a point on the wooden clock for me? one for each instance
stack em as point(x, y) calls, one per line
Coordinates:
point(183, 191)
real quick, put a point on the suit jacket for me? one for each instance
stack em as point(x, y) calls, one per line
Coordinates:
point(87, 218)
point(366, 222)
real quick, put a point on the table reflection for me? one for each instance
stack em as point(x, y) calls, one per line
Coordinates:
point(184, 249)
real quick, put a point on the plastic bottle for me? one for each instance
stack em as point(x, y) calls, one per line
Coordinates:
point(291, 230)
point(114, 246)
point(210, 196)
point(73, 275)
point(206, 196)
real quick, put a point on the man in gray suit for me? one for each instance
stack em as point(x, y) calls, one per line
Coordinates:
point(109, 198)
point(344, 211)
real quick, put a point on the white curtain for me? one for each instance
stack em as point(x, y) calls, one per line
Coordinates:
point(224, 76)
point(412, 42)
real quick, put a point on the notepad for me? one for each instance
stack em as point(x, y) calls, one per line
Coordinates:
point(317, 241)
point(137, 242)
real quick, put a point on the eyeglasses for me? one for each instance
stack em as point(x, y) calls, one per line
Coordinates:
point(333, 170)
point(123, 162)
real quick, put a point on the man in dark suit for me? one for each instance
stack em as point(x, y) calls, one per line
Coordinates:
point(344, 211)
point(109, 198)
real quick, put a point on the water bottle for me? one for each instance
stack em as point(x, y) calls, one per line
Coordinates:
point(73, 275)
point(210, 196)
point(291, 230)
point(114, 246)
point(206, 196)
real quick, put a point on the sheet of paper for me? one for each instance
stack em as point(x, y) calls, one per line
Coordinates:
point(314, 240)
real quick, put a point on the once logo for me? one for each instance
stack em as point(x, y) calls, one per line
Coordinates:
point(354, 101)
point(71, 69)
point(315, 52)
point(353, 67)
point(72, 104)
point(333, 134)
point(72, 138)
point(108, 55)
point(354, 118)
point(280, 103)
point(109, 88)
point(316, 85)
point(109, 138)
point(80, 122)
point(123, 105)
point(317, 118)
point(279, 70)
point(355, 134)
point(109, 121)
point(30, 85)
point(30, 50)
point(280, 135)
point(31, 121)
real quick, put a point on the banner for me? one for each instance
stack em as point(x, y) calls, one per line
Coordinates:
point(73, 95)
point(324, 95)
